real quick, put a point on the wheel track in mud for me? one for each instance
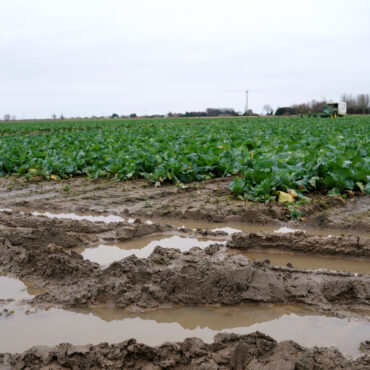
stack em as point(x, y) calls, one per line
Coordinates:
point(43, 244)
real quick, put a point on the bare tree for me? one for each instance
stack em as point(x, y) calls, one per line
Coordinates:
point(268, 109)
point(357, 105)
point(362, 102)
point(6, 117)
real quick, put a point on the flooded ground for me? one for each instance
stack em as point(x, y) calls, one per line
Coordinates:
point(234, 227)
point(143, 247)
point(11, 288)
point(167, 295)
point(74, 216)
point(304, 261)
point(27, 327)
point(227, 227)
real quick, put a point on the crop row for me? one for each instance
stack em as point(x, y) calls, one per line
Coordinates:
point(32, 127)
point(267, 154)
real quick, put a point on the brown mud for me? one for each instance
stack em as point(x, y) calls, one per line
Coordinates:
point(345, 245)
point(169, 277)
point(228, 351)
point(109, 252)
point(210, 200)
point(41, 250)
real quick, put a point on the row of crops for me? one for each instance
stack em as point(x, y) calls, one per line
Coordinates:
point(267, 154)
point(32, 127)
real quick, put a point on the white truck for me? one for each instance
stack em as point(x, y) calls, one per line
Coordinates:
point(334, 109)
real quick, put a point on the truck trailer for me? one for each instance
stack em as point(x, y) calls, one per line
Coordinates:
point(334, 109)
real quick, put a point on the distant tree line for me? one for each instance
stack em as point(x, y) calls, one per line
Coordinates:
point(8, 117)
point(212, 112)
point(355, 105)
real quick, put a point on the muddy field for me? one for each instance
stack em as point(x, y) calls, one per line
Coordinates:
point(164, 255)
point(208, 201)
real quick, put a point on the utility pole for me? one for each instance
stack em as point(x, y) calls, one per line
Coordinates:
point(246, 100)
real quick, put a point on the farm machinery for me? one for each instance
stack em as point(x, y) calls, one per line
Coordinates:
point(334, 109)
point(331, 110)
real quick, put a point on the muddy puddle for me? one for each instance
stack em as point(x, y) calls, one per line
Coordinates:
point(11, 288)
point(304, 261)
point(74, 216)
point(81, 326)
point(141, 247)
point(28, 326)
point(231, 228)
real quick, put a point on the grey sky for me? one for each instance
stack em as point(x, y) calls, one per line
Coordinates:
point(85, 57)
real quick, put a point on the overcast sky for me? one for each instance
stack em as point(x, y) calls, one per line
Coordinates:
point(89, 57)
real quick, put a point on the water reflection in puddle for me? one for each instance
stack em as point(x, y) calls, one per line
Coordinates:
point(287, 230)
point(304, 261)
point(156, 327)
point(188, 224)
point(11, 288)
point(73, 216)
point(231, 227)
point(142, 248)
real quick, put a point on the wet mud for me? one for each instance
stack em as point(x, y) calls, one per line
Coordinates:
point(169, 277)
point(210, 201)
point(105, 254)
point(228, 351)
point(50, 252)
point(308, 261)
point(79, 326)
point(345, 245)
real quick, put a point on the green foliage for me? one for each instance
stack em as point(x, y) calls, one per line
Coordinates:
point(294, 213)
point(269, 154)
point(237, 186)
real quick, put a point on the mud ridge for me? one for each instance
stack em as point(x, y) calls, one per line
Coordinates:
point(35, 231)
point(345, 245)
point(169, 277)
point(228, 351)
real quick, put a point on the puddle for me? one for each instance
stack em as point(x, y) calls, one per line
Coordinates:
point(227, 230)
point(141, 247)
point(226, 227)
point(231, 228)
point(287, 230)
point(83, 326)
point(74, 216)
point(305, 261)
point(11, 288)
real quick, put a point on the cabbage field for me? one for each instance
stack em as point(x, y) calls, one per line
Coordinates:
point(264, 154)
